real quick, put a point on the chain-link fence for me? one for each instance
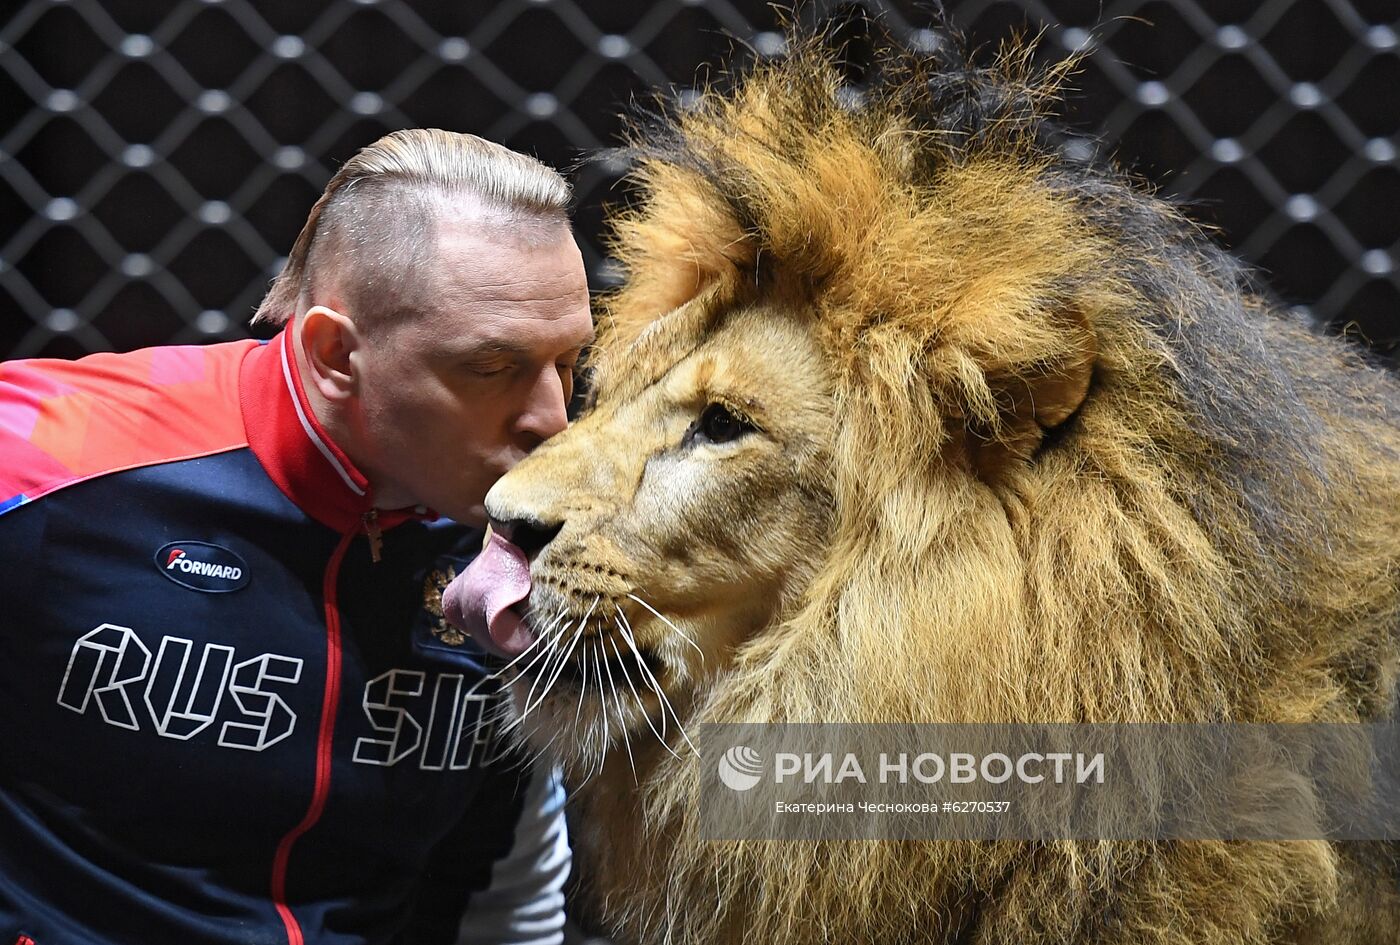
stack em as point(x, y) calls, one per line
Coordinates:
point(157, 159)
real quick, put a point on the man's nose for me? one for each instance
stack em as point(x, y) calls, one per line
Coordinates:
point(546, 409)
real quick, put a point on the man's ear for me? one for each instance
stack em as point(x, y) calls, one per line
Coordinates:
point(329, 337)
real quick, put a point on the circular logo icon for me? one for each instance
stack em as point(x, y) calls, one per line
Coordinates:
point(740, 768)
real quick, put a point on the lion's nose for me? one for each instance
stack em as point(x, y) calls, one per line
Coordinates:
point(528, 534)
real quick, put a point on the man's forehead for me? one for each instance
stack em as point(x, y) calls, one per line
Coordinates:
point(483, 325)
point(495, 260)
point(489, 290)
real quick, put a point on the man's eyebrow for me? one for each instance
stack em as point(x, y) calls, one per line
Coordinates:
point(490, 346)
point(584, 342)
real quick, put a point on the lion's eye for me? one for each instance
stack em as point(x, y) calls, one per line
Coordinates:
point(718, 425)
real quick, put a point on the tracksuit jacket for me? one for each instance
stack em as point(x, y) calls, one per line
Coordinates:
point(230, 710)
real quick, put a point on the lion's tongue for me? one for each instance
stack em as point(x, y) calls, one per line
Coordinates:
point(478, 600)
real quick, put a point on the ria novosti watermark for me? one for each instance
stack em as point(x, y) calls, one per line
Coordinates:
point(1036, 782)
point(741, 768)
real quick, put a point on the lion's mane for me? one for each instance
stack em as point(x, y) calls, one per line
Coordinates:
point(1214, 535)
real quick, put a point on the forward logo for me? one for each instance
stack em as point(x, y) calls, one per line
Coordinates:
point(202, 566)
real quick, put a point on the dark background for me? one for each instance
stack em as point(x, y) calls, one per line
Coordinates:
point(156, 159)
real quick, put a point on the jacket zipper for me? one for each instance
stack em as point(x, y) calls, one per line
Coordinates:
point(330, 701)
point(376, 537)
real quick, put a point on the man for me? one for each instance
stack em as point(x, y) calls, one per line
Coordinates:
point(231, 710)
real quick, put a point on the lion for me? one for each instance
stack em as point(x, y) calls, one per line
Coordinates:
point(901, 415)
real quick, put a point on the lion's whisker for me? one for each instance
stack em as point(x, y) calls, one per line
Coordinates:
point(599, 657)
point(540, 676)
point(545, 653)
point(582, 684)
point(497, 712)
point(603, 702)
point(679, 727)
point(564, 660)
point(558, 668)
point(661, 735)
point(550, 672)
point(626, 627)
point(656, 687)
point(533, 758)
point(640, 709)
point(546, 638)
point(489, 726)
point(679, 632)
point(537, 641)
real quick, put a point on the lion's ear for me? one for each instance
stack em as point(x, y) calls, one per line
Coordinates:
point(1035, 402)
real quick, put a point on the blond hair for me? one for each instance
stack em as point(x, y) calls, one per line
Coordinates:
point(372, 225)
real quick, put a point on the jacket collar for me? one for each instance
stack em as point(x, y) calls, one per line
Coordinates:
point(297, 452)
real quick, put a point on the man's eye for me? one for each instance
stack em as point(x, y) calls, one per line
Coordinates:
point(486, 370)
